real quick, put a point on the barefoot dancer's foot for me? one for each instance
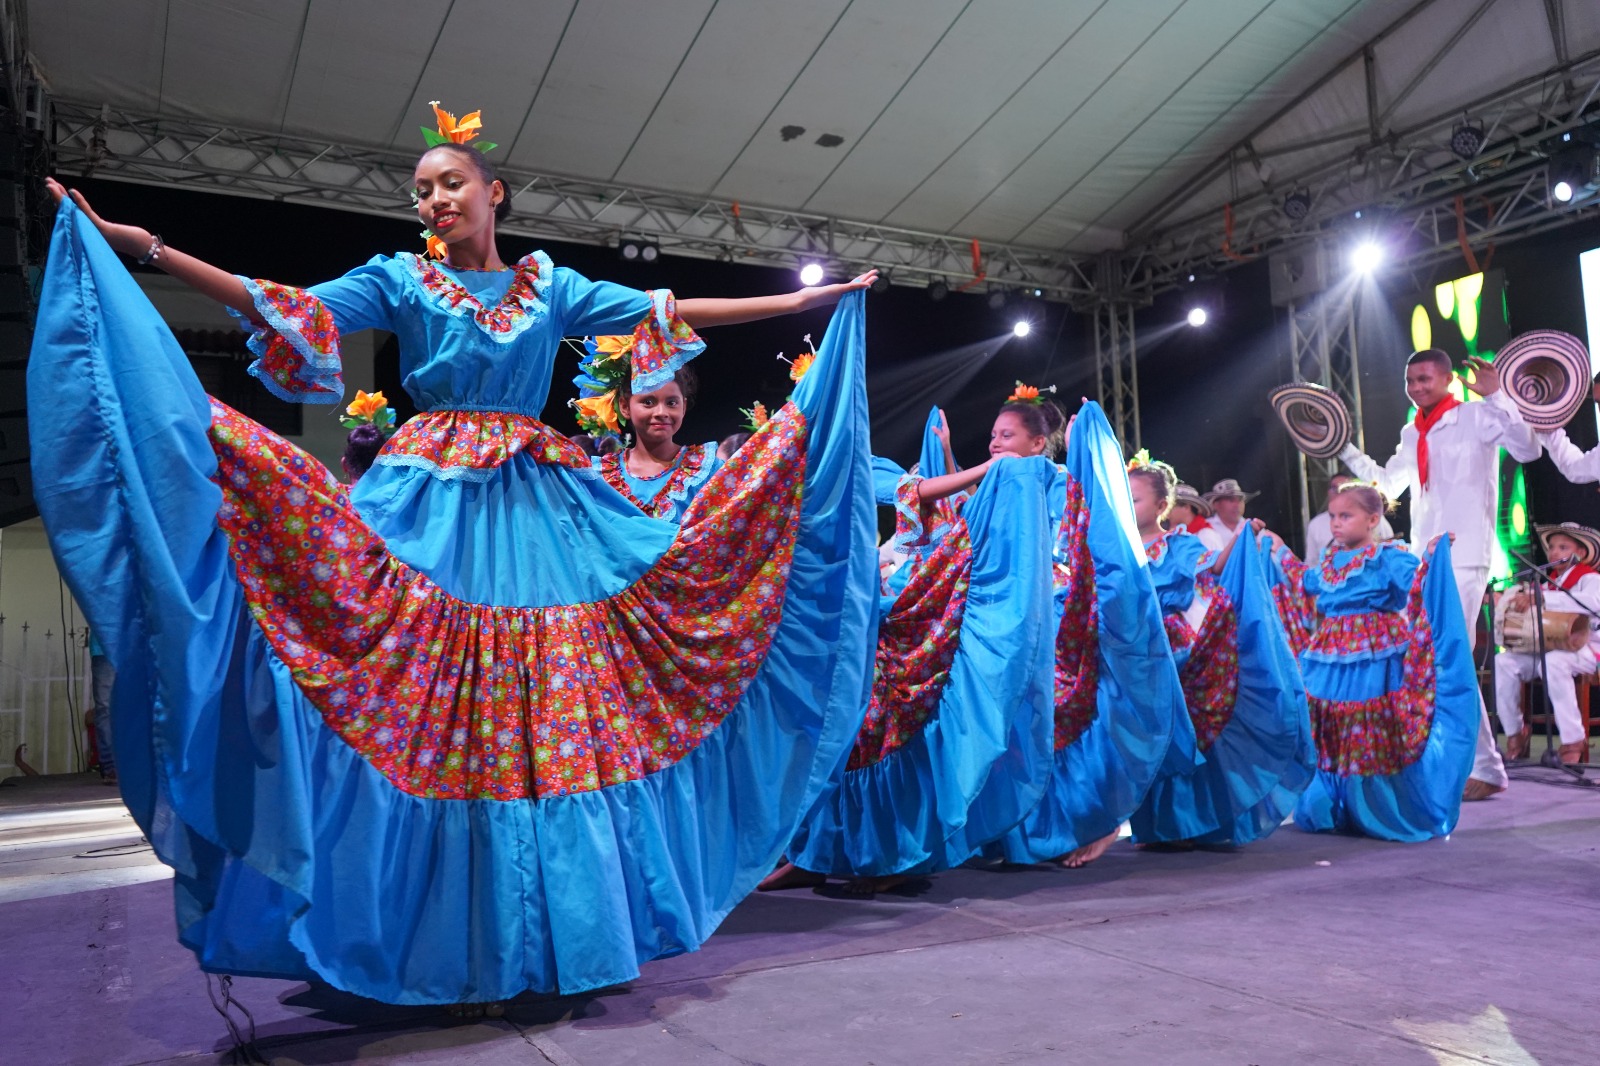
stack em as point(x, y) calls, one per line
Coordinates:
point(1479, 790)
point(867, 887)
point(790, 876)
point(1089, 852)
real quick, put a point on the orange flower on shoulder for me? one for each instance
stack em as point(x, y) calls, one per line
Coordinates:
point(460, 132)
point(802, 364)
point(436, 247)
point(601, 409)
point(366, 406)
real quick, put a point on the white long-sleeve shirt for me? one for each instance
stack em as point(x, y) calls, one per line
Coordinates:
point(1576, 465)
point(1463, 472)
point(1319, 533)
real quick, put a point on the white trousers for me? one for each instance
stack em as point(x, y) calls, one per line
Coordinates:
point(1512, 668)
point(1471, 582)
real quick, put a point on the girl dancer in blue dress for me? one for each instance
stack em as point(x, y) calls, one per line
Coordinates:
point(955, 746)
point(486, 727)
point(1241, 687)
point(1388, 669)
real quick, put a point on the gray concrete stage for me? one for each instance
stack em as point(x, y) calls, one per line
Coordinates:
point(1299, 950)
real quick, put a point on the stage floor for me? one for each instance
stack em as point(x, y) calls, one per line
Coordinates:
point(1298, 950)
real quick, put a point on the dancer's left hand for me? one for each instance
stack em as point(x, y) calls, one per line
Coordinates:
point(1485, 376)
point(827, 295)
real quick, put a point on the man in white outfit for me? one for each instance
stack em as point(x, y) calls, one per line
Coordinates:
point(1319, 531)
point(1448, 459)
point(1227, 502)
point(1574, 586)
point(1576, 465)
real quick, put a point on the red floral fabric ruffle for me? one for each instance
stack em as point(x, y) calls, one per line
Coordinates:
point(297, 348)
point(470, 444)
point(1210, 677)
point(457, 700)
point(1078, 638)
point(916, 646)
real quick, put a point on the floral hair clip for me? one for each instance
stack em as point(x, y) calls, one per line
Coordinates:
point(800, 365)
point(1141, 459)
point(607, 363)
point(1028, 394)
point(450, 131)
point(369, 409)
point(755, 416)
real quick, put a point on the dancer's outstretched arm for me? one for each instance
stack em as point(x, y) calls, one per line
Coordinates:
point(136, 241)
point(704, 313)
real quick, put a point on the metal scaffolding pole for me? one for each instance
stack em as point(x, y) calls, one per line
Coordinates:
point(1323, 350)
point(1116, 360)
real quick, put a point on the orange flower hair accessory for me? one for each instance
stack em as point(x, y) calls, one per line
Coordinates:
point(800, 365)
point(597, 415)
point(1028, 394)
point(756, 416)
point(451, 131)
point(369, 409)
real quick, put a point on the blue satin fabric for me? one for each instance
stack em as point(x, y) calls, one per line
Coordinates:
point(982, 760)
point(1100, 779)
point(1423, 800)
point(293, 856)
point(1264, 757)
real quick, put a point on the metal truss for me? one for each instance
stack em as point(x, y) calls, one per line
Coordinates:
point(1116, 362)
point(1322, 349)
point(123, 145)
point(1406, 181)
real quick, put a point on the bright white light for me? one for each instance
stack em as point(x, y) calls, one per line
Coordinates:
point(1022, 328)
point(1366, 257)
point(1562, 191)
point(1197, 317)
point(811, 274)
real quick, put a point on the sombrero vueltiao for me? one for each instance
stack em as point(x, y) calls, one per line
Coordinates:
point(1588, 540)
point(1316, 418)
point(1190, 496)
point(1546, 374)
point(1228, 489)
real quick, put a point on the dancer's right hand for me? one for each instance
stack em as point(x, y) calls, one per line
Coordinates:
point(129, 240)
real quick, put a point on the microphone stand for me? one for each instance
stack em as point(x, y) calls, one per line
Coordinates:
point(1551, 756)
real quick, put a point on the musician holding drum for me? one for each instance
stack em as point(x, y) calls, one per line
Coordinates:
point(1571, 639)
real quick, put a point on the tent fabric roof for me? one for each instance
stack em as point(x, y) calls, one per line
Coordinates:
point(1049, 123)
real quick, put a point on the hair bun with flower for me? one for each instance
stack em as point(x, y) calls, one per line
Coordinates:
point(369, 409)
point(451, 130)
point(1028, 393)
point(606, 365)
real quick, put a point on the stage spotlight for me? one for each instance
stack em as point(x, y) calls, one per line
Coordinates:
point(811, 274)
point(638, 249)
point(1297, 205)
point(938, 289)
point(997, 299)
point(1562, 191)
point(1467, 139)
point(1197, 317)
point(1021, 329)
point(880, 284)
point(1366, 257)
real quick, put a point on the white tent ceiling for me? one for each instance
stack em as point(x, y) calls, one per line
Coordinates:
point(1052, 124)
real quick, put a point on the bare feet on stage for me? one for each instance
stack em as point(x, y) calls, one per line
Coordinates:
point(1088, 853)
point(1479, 790)
point(867, 887)
point(790, 876)
point(1517, 743)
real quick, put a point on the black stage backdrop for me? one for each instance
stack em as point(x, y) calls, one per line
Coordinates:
point(1202, 391)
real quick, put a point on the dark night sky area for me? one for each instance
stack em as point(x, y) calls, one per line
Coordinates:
point(1202, 392)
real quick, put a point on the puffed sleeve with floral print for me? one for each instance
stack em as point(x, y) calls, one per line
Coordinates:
point(662, 342)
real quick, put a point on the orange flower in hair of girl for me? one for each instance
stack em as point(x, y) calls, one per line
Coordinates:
point(756, 416)
point(599, 411)
point(457, 132)
point(366, 405)
point(610, 349)
point(1028, 394)
point(800, 366)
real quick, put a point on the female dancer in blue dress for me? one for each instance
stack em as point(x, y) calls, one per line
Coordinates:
point(1241, 687)
point(955, 745)
point(1117, 709)
point(656, 474)
point(1388, 669)
point(485, 728)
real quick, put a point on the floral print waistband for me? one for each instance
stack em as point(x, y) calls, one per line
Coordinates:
point(468, 445)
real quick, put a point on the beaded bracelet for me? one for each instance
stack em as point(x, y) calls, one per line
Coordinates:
point(156, 244)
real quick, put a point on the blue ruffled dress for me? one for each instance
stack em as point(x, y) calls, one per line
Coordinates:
point(668, 495)
point(1394, 702)
point(482, 727)
point(1243, 695)
point(1119, 706)
point(955, 744)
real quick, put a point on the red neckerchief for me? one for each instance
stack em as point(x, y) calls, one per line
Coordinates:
point(1570, 576)
point(1425, 422)
point(1196, 524)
